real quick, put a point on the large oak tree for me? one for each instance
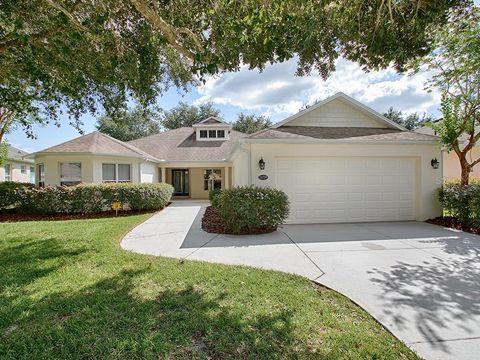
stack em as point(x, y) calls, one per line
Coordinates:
point(79, 56)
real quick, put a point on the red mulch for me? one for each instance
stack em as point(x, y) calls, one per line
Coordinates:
point(451, 222)
point(212, 223)
point(15, 217)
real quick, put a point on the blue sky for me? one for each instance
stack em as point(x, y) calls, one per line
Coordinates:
point(276, 92)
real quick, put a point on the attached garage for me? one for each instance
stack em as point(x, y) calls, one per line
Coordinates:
point(348, 189)
point(340, 161)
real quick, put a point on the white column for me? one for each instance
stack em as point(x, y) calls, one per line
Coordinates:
point(227, 178)
point(163, 174)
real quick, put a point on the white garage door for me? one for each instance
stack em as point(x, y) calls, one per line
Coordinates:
point(348, 189)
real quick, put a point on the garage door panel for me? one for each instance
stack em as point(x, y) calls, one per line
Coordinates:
point(342, 189)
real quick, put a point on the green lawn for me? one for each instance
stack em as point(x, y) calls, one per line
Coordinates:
point(67, 290)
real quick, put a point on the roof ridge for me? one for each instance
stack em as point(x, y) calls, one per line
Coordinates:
point(67, 141)
point(260, 131)
point(128, 146)
point(160, 133)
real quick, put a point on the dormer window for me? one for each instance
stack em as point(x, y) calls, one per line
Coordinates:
point(212, 129)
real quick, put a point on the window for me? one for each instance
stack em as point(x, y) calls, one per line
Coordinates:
point(8, 172)
point(211, 134)
point(112, 173)
point(32, 174)
point(212, 179)
point(41, 175)
point(23, 169)
point(123, 172)
point(70, 174)
point(108, 173)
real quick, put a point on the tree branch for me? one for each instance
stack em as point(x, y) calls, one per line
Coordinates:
point(475, 162)
point(168, 31)
point(67, 14)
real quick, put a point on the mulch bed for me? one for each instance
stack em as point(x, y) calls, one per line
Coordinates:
point(453, 223)
point(15, 217)
point(212, 223)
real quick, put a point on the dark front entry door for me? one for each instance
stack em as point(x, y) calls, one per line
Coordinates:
point(180, 182)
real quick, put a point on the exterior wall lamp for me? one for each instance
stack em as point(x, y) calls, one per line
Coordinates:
point(261, 164)
point(435, 164)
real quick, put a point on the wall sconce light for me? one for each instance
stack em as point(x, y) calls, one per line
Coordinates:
point(435, 164)
point(261, 164)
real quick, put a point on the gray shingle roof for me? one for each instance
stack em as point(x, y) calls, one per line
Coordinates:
point(17, 154)
point(341, 133)
point(181, 145)
point(98, 143)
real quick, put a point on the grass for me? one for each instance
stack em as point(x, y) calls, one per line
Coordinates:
point(67, 290)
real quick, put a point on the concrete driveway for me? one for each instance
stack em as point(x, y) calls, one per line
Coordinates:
point(420, 281)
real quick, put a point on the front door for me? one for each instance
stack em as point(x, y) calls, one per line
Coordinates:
point(180, 182)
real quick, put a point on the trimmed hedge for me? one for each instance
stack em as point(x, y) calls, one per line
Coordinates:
point(92, 198)
point(462, 202)
point(10, 193)
point(244, 209)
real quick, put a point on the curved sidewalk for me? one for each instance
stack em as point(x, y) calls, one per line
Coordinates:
point(421, 281)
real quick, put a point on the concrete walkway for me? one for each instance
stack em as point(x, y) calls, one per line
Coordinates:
point(421, 281)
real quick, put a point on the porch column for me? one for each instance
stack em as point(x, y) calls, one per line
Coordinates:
point(227, 178)
point(163, 174)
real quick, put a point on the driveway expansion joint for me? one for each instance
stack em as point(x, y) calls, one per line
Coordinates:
point(304, 253)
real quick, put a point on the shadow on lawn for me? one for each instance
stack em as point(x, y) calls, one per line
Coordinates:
point(110, 319)
point(33, 258)
point(443, 293)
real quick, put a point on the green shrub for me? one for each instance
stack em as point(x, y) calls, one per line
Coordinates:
point(92, 198)
point(213, 196)
point(246, 208)
point(10, 192)
point(462, 202)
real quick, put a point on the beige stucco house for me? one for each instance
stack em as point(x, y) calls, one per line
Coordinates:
point(17, 168)
point(338, 161)
point(451, 163)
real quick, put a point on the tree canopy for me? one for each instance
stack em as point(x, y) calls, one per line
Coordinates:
point(185, 115)
point(82, 56)
point(128, 125)
point(410, 122)
point(455, 63)
point(249, 124)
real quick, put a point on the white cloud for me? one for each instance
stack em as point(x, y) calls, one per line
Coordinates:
point(277, 91)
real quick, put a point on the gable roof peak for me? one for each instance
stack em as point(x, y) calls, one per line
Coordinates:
point(211, 120)
point(351, 101)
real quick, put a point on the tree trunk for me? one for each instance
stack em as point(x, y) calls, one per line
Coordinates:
point(465, 179)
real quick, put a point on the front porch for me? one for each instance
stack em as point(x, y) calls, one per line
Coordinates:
point(195, 182)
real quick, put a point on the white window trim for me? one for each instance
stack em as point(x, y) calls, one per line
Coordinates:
point(38, 176)
point(8, 174)
point(116, 181)
point(216, 138)
point(212, 180)
point(23, 169)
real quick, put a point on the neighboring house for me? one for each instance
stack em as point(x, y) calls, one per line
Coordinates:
point(338, 161)
point(17, 168)
point(451, 163)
